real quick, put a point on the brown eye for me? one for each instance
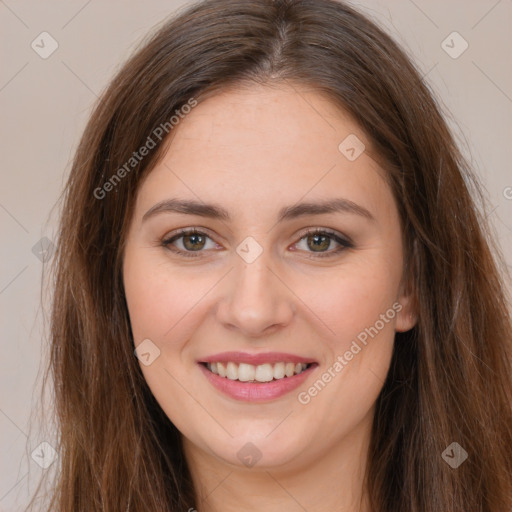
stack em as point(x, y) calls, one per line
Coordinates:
point(318, 241)
point(188, 242)
point(194, 241)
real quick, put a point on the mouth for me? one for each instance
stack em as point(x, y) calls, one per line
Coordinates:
point(256, 377)
point(266, 372)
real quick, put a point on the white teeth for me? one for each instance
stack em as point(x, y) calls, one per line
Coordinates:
point(232, 371)
point(221, 369)
point(278, 370)
point(246, 372)
point(289, 369)
point(262, 373)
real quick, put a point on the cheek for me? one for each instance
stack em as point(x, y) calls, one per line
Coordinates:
point(352, 300)
point(160, 298)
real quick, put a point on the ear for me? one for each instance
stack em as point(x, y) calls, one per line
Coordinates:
point(407, 316)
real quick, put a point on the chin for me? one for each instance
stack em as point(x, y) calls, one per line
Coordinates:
point(258, 452)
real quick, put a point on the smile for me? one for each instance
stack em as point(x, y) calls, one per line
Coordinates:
point(256, 377)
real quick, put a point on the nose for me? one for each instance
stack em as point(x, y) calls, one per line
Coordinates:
point(256, 302)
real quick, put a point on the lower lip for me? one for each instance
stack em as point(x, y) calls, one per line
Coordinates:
point(256, 392)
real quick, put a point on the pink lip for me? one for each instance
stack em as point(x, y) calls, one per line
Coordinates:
point(255, 359)
point(256, 392)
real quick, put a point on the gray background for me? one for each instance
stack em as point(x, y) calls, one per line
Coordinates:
point(46, 102)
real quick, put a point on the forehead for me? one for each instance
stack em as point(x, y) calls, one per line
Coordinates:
point(274, 116)
point(261, 145)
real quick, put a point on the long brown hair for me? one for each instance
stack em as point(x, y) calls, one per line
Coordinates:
point(450, 376)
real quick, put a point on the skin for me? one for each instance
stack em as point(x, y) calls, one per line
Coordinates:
point(253, 150)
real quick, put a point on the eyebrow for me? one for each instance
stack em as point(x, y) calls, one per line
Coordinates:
point(215, 211)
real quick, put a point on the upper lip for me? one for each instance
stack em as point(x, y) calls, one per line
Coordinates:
point(256, 359)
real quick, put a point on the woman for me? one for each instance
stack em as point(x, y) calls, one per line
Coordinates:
point(273, 287)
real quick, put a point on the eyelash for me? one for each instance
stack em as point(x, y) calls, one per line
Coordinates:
point(344, 243)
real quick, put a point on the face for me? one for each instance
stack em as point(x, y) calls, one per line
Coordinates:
point(264, 299)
